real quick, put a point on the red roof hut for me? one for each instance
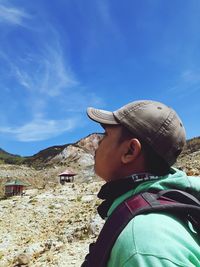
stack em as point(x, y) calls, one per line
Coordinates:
point(14, 188)
point(67, 176)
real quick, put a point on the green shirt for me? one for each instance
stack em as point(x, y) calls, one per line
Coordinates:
point(158, 239)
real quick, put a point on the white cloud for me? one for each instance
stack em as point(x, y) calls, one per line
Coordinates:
point(79, 101)
point(12, 15)
point(49, 75)
point(104, 10)
point(23, 77)
point(57, 76)
point(187, 83)
point(40, 129)
point(191, 76)
point(45, 84)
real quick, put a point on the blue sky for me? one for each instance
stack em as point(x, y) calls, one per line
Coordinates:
point(57, 57)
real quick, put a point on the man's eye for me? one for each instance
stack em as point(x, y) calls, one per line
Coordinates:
point(98, 140)
point(101, 136)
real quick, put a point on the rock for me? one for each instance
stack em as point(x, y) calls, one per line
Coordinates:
point(23, 259)
point(87, 198)
point(50, 228)
point(35, 249)
point(192, 172)
point(95, 225)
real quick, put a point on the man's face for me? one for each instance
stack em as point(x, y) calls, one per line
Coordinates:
point(108, 154)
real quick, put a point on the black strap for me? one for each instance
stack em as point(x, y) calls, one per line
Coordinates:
point(173, 201)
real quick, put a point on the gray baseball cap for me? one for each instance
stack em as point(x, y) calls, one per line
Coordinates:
point(153, 122)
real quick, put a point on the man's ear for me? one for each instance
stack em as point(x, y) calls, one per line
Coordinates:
point(132, 150)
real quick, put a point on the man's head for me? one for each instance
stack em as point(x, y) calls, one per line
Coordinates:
point(155, 126)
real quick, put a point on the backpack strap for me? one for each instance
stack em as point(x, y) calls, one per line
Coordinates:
point(173, 201)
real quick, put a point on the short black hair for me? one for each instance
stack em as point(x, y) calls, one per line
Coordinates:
point(155, 164)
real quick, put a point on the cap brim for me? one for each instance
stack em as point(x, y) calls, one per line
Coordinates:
point(101, 116)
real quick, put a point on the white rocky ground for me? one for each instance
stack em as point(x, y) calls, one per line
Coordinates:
point(49, 227)
point(190, 163)
point(53, 226)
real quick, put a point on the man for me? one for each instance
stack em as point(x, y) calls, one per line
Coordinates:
point(142, 140)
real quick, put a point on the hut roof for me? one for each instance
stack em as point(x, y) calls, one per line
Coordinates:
point(16, 182)
point(67, 173)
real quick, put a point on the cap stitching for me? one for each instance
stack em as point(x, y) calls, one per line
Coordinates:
point(166, 123)
point(139, 105)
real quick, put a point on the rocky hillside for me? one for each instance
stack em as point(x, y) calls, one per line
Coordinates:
point(52, 155)
point(72, 153)
point(59, 155)
point(52, 225)
point(49, 228)
point(8, 158)
point(193, 145)
point(189, 160)
point(42, 169)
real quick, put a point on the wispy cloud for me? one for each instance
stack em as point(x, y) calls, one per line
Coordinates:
point(12, 15)
point(49, 75)
point(50, 88)
point(40, 75)
point(187, 83)
point(106, 17)
point(77, 102)
point(40, 129)
point(191, 76)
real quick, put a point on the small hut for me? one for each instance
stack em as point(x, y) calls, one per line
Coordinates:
point(14, 188)
point(67, 176)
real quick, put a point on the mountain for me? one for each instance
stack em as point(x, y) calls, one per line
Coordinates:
point(8, 158)
point(189, 160)
point(83, 150)
point(43, 168)
point(193, 145)
point(41, 158)
point(55, 154)
point(4, 153)
point(60, 155)
point(52, 225)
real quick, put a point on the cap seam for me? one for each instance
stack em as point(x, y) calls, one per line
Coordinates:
point(132, 109)
point(162, 128)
